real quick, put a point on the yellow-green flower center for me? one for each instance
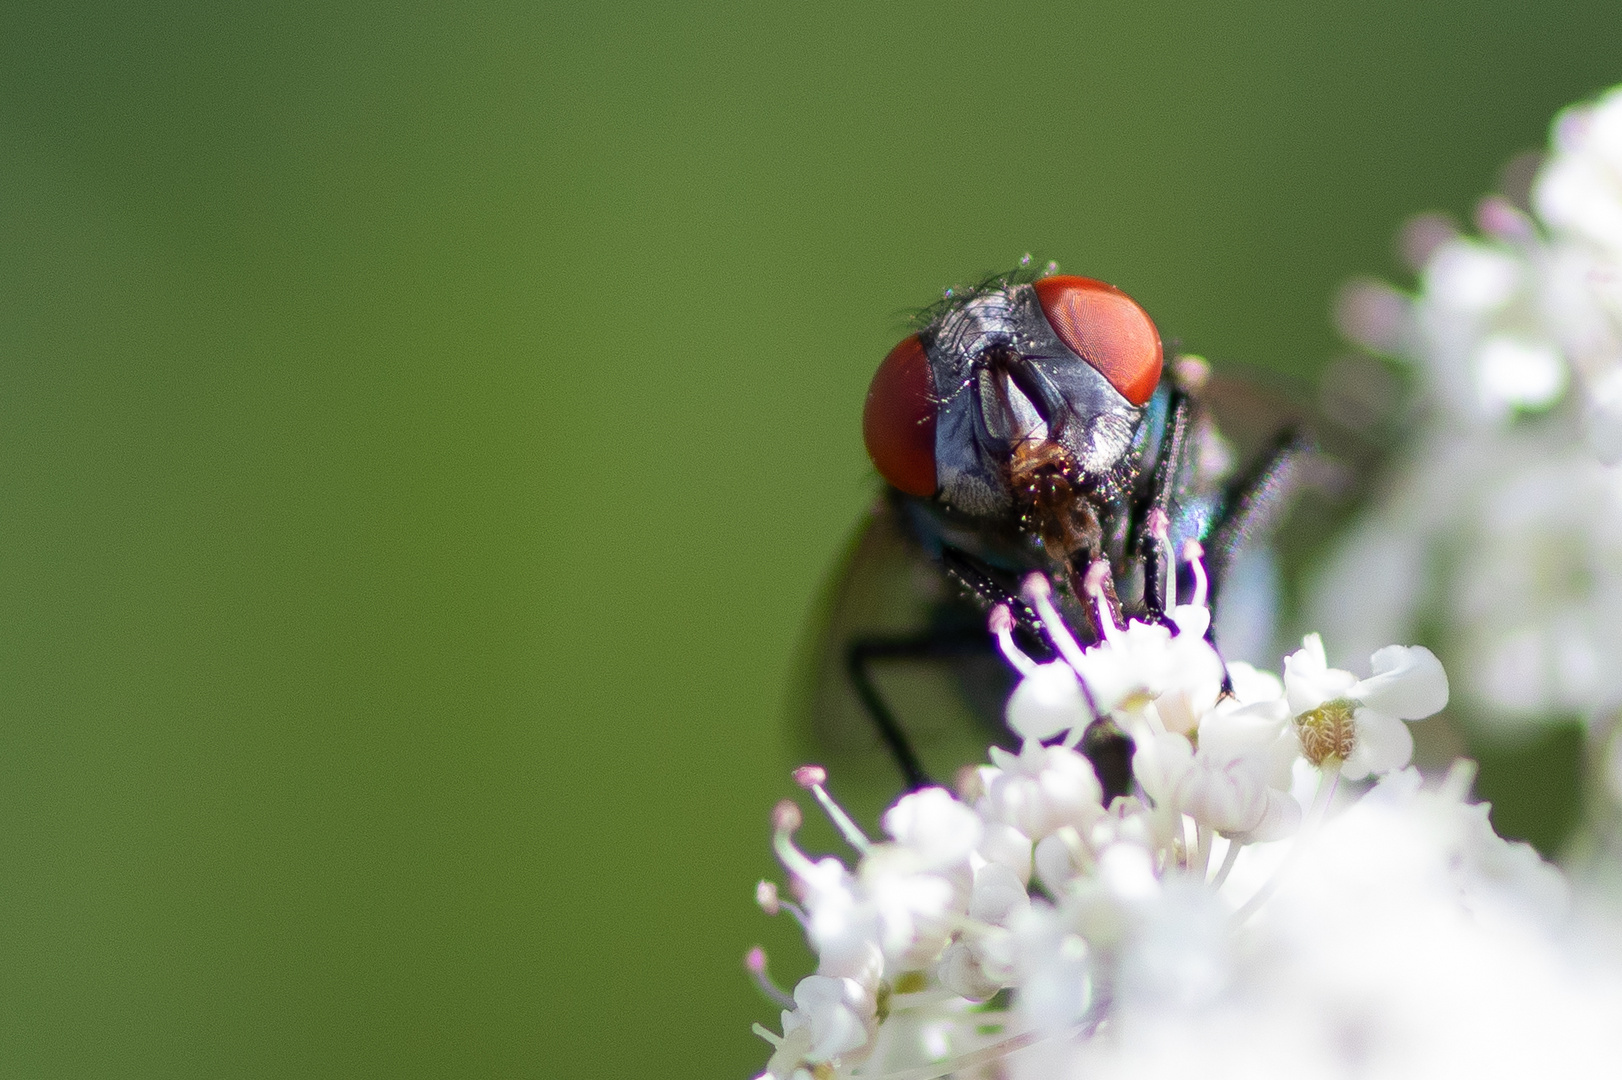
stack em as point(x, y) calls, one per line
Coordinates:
point(1327, 732)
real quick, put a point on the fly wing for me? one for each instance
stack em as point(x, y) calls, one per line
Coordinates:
point(935, 668)
point(1287, 450)
point(1253, 407)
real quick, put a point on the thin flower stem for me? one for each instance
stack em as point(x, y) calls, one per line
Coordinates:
point(1328, 781)
point(1174, 826)
point(1228, 860)
point(986, 1054)
point(1202, 834)
point(1327, 785)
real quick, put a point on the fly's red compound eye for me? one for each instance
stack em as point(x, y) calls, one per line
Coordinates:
point(898, 420)
point(1106, 328)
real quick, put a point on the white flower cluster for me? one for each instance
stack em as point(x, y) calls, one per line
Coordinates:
point(1502, 528)
point(1020, 927)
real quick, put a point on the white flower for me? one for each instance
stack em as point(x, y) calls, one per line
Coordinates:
point(1129, 667)
point(1357, 723)
point(1005, 845)
point(1252, 686)
point(839, 925)
point(831, 1018)
point(982, 960)
point(1161, 678)
point(938, 830)
point(1159, 763)
point(1054, 969)
point(1396, 946)
point(1069, 853)
point(1401, 937)
point(1047, 702)
point(913, 908)
point(1239, 780)
point(1580, 192)
point(1144, 664)
point(1041, 789)
point(1104, 905)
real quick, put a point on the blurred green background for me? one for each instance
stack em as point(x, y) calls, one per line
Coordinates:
point(422, 428)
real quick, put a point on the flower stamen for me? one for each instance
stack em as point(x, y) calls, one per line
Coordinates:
point(1193, 553)
point(1001, 623)
point(1231, 857)
point(1039, 594)
point(786, 819)
point(755, 961)
point(813, 777)
point(1097, 575)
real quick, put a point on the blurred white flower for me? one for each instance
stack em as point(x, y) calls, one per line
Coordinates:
point(981, 961)
point(831, 1018)
point(1040, 790)
point(1406, 941)
point(1501, 526)
point(1162, 676)
point(936, 830)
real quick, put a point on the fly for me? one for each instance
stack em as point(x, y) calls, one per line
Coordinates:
point(1031, 424)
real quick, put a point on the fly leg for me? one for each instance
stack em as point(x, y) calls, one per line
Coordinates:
point(1250, 510)
point(1103, 743)
point(1170, 481)
point(1255, 502)
point(944, 644)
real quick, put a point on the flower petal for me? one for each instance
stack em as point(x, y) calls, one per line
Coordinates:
point(997, 894)
point(1046, 702)
point(1309, 681)
point(832, 1009)
point(1408, 683)
point(1312, 652)
point(1230, 800)
point(1384, 743)
point(1159, 763)
point(1251, 686)
point(1247, 731)
point(1281, 818)
point(1194, 685)
point(937, 828)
